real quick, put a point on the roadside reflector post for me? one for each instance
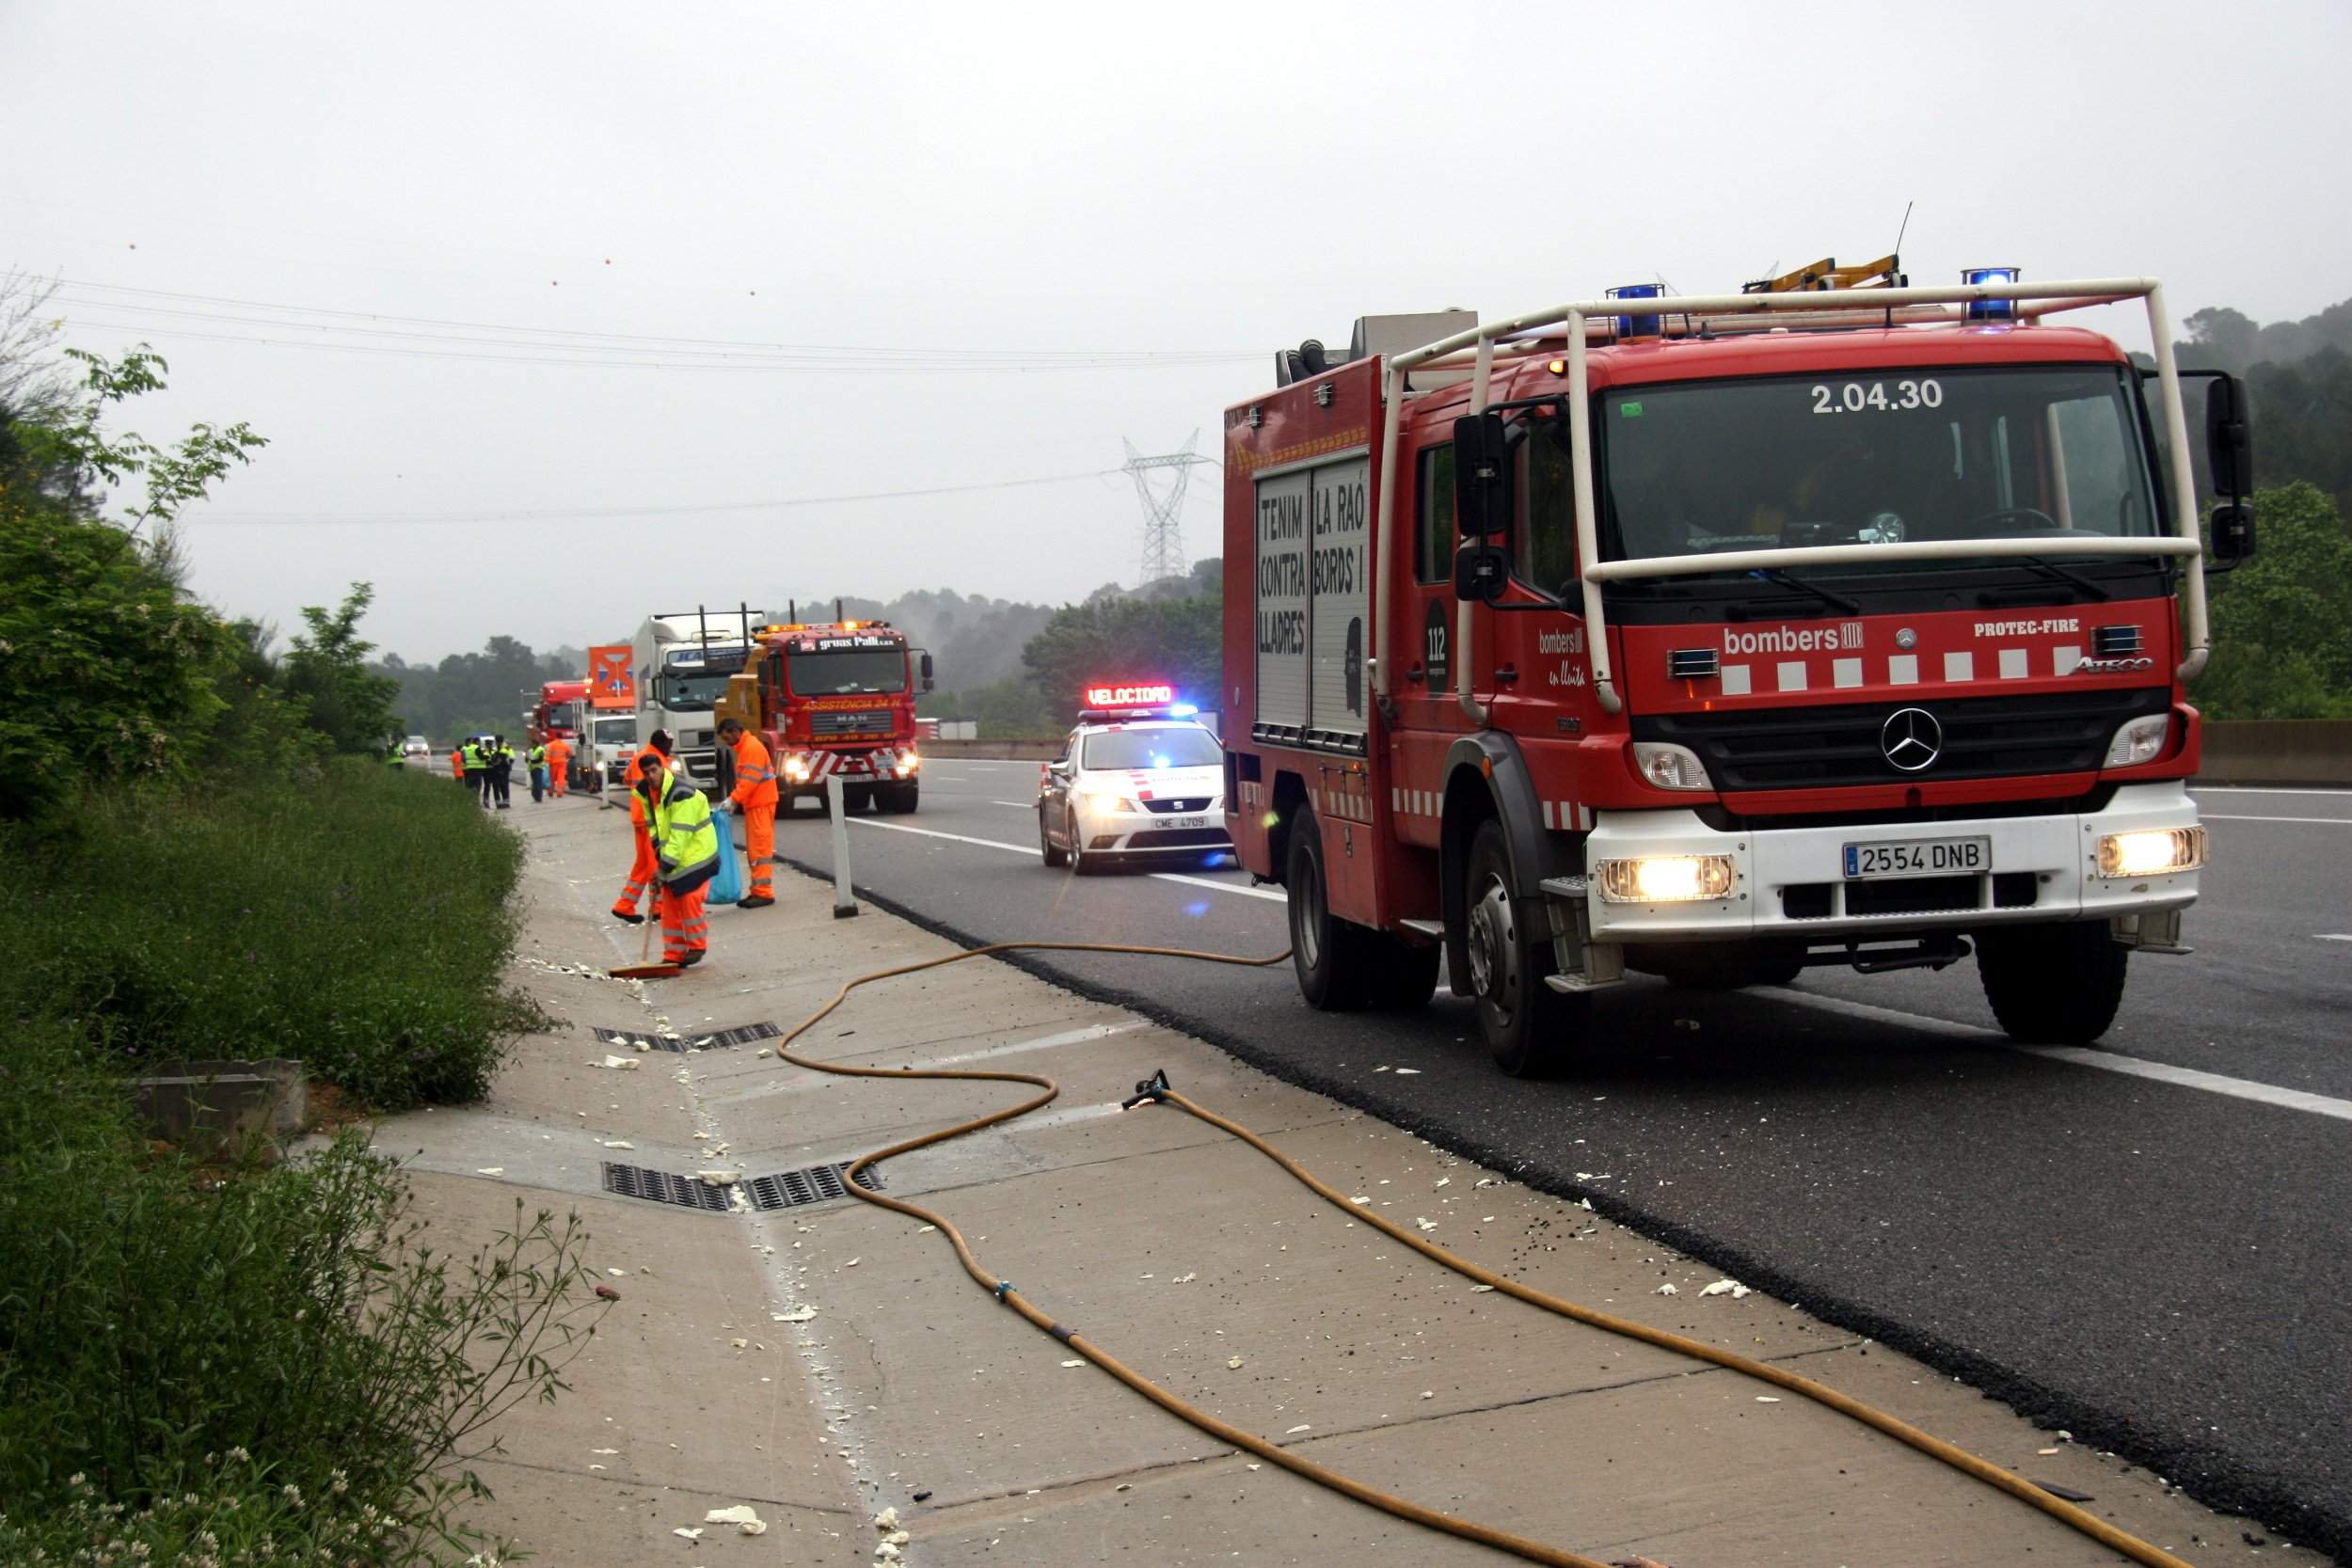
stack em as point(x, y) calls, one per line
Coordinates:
point(844, 903)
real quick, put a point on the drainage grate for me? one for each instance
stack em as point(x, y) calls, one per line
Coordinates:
point(660, 1186)
point(791, 1189)
point(717, 1040)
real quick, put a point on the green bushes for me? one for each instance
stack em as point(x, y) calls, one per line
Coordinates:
point(254, 1362)
point(359, 926)
point(265, 1354)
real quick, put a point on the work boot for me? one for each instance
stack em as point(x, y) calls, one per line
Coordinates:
point(755, 901)
point(629, 917)
point(692, 957)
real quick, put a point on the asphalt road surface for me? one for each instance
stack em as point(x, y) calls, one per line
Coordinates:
point(2148, 1244)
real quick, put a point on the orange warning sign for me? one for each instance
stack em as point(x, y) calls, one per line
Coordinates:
point(610, 682)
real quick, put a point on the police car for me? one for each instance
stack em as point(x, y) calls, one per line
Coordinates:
point(1138, 779)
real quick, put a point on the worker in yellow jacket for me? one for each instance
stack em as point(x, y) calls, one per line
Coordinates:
point(754, 802)
point(686, 855)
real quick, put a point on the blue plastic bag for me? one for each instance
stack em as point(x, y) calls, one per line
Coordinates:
point(727, 886)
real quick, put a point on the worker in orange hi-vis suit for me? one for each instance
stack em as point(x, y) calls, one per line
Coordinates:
point(646, 868)
point(755, 801)
point(559, 761)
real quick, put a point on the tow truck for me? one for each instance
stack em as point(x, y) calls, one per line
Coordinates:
point(1833, 621)
point(1138, 778)
point(832, 697)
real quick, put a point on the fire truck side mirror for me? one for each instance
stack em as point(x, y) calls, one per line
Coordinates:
point(1479, 572)
point(925, 670)
point(2232, 531)
point(1482, 475)
point(2228, 441)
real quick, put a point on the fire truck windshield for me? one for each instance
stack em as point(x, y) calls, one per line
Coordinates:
point(1868, 457)
point(844, 672)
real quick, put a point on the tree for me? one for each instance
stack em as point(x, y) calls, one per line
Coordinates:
point(327, 672)
point(2282, 621)
point(1177, 640)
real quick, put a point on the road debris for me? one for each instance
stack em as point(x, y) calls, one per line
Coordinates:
point(1409, 1072)
point(619, 1143)
point(741, 1516)
point(800, 1314)
point(1669, 1289)
point(1731, 1287)
point(1234, 1362)
point(606, 1292)
point(886, 1521)
point(492, 1170)
point(619, 1064)
point(1419, 1224)
point(688, 1534)
point(1079, 1363)
point(1767, 1398)
point(719, 1177)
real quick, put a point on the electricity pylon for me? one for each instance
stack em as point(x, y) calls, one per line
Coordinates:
point(1163, 513)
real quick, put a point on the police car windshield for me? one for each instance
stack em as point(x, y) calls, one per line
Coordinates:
point(845, 672)
point(1177, 746)
point(1870, 457)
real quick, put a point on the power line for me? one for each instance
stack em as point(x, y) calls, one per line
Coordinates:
point(577, 514)
point(615, 339)
point(899, 367)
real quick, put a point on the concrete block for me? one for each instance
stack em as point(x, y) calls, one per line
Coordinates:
point(225, 1101)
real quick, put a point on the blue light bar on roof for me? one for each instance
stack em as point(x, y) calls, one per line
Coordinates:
point(1992, 310)
point(1635, 327)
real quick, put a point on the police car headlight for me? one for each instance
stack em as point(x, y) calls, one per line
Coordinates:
point(2140, 740)
point(2151, 852)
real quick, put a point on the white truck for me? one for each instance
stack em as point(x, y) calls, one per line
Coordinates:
point(682, 660)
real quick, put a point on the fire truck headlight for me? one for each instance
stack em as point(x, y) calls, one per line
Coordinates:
point(908, 761)
point(796, 769)
point(2151, 852)
point(1666, 878)
point(1665, 766)
point(2140, 740)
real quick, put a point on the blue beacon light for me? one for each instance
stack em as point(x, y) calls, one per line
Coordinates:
point(1182, 711)
point(1991, 309)
point(1636, 327)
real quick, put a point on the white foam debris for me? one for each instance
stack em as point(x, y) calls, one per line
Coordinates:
point(1669, 1289)
point(798, 1315)
point(1731, 1287)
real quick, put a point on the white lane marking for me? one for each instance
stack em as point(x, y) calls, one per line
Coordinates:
point(1030, 849)
point(1017, 805)
point(2263, 790)
point(2106, 1061)
point(2332, 936)
point(1067, 1037)
point(2317, 821)
point(1222, 887)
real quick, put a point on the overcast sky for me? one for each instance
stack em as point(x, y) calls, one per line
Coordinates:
point(980, 195)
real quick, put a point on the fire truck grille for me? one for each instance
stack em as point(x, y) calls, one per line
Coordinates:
point(1982, 738)
point(876, 721)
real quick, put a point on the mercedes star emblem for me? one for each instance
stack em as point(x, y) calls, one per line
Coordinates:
point(1911, 739)
point(1906, 639)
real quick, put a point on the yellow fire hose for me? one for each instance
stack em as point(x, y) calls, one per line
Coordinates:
point(1158, 1090)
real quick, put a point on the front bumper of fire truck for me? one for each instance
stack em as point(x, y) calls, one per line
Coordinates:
point(1666, 876)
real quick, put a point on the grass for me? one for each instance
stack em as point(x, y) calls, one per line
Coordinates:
point(256, 1361)
point(359, 927)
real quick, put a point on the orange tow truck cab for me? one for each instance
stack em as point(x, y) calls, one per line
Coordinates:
point(1832, 622)
point(837, 698)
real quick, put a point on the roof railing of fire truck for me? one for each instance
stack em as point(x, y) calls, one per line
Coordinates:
point(1573, 328)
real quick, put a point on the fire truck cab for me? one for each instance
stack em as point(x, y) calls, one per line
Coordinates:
point(838, 697)
point(1835, 621)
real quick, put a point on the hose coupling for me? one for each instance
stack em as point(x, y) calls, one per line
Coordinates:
point(1150, 1090)
point(1002, 1286)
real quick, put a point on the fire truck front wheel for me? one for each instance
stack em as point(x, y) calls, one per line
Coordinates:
point(1334, 957)
point(2052, 984)
point(1532, 1030)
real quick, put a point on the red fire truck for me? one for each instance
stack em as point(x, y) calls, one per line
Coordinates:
point(1833, 621)
point(838, 697)
point(560, 709)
